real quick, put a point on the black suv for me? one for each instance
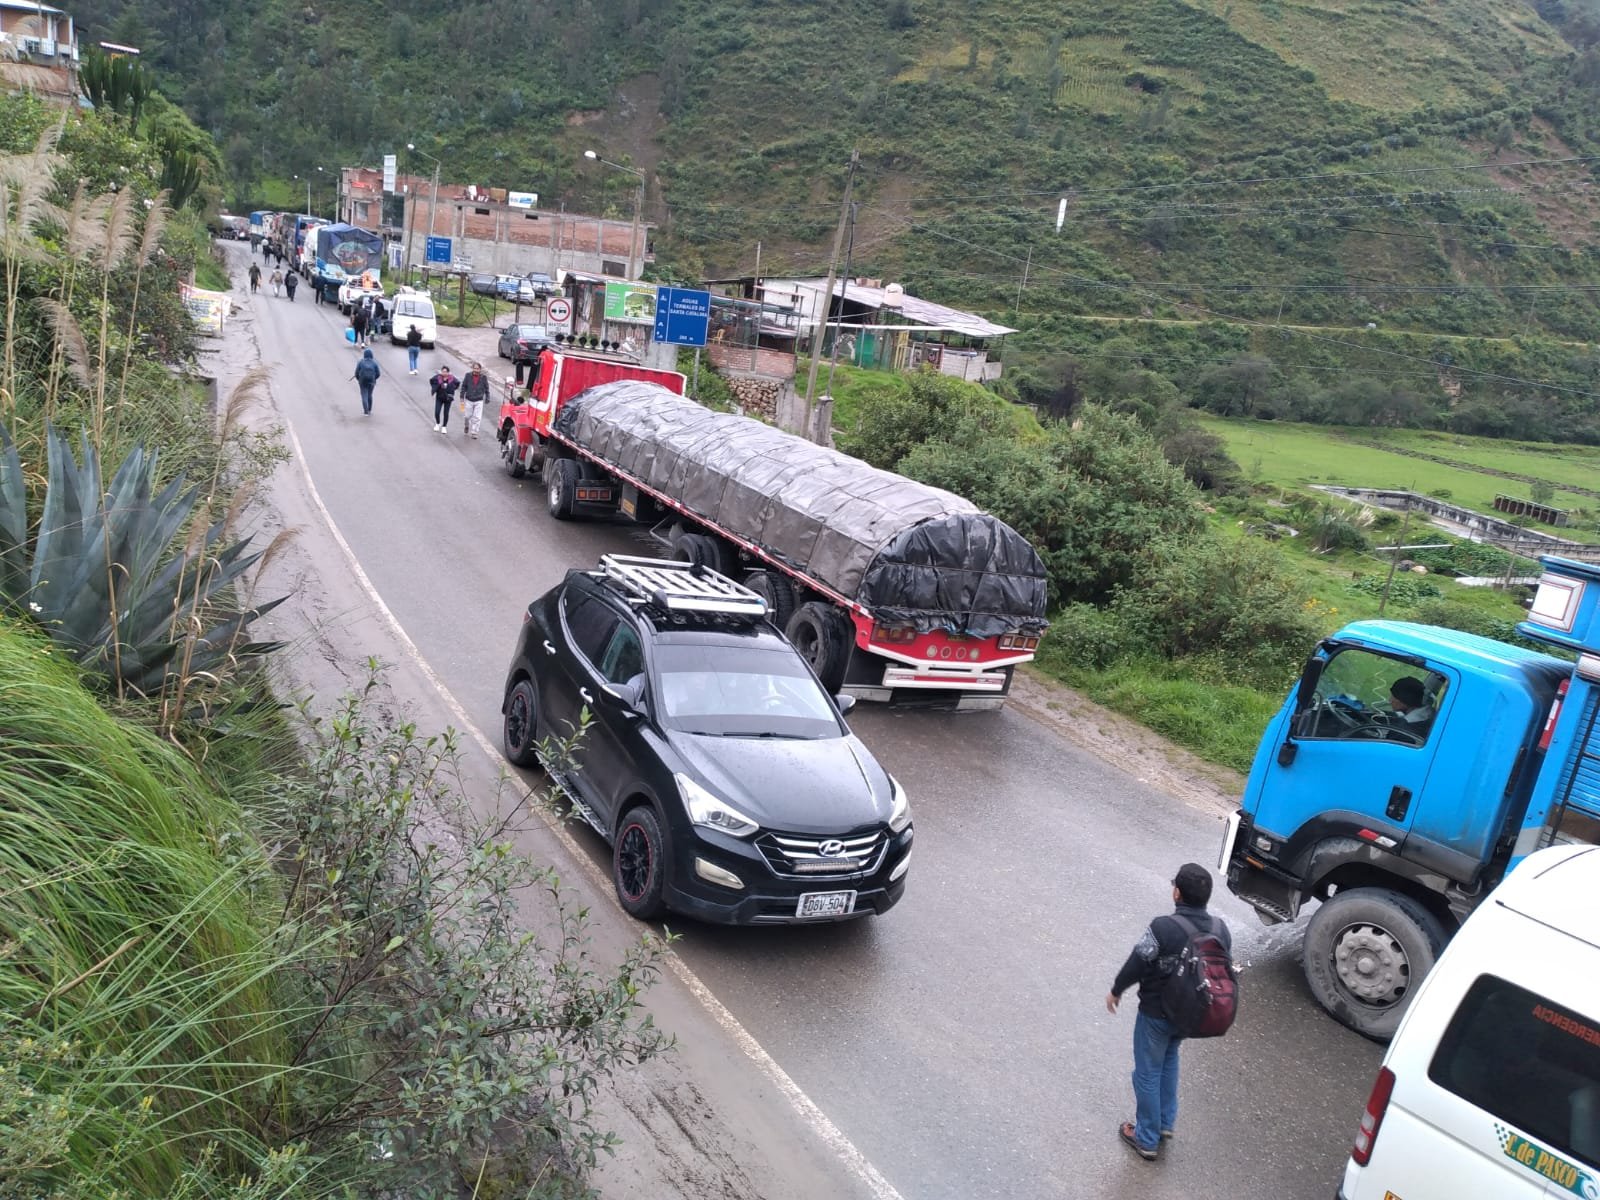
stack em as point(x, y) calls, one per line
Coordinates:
point(715, 764)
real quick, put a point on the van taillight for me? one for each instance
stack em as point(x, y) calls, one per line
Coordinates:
point(1555, 715)
point(1377, 1105)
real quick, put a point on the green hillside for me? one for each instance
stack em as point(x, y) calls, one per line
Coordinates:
point(1270, 168)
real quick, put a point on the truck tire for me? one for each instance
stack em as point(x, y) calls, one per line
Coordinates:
point(777, 591)
point(561, 488)
point(1366, 951)
point(822, 636)
point(513, 453)
point(700, 549)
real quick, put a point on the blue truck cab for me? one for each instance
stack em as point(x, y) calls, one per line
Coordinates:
point(1409, 770)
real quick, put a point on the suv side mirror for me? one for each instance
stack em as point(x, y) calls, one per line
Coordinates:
point(845, 703)
point(629, 696)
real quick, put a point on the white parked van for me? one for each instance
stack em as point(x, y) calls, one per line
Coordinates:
point(414, 308)
point(1491, 1087)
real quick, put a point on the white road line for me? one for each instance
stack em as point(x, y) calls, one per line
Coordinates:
point(805, 1108)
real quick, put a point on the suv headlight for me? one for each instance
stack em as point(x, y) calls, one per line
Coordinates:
point(900, 814)
point(707, 810)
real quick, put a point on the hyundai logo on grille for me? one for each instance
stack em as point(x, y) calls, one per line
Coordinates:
point(832, 848)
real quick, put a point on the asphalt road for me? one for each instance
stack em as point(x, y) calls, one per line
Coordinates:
point(960, 1042)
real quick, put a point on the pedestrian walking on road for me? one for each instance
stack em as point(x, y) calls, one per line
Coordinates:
point(255, 277)
point(290, 282)
point(1156, 1037)
point(413, 347)
point(366, 376)
point(443, 385)
point(474, 391)
point(276, 281)
point(359, 316)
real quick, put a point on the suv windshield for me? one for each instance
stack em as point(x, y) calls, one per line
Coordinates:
point(1530, 1062)
point(741, 692)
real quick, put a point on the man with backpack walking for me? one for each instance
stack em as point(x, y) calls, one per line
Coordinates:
point(366, 375)
point(1187, 988)
point(290, 282)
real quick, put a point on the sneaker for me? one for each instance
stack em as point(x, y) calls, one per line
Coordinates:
point(474, 437)
point(1125, 1133)
point(436, 427)
point(1167, 1135)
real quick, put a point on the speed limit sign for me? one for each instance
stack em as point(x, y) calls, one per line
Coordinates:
point(559, 311)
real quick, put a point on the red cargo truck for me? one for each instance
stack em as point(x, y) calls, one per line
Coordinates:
point(891, 589)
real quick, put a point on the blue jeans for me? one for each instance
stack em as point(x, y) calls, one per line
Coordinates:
point(366, 396)
point(411, 355)
point(1155, 1079)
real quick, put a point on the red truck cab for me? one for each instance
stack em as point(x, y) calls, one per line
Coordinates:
point(555, 376)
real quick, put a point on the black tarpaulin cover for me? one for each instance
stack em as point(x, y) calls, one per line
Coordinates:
point(909, 552)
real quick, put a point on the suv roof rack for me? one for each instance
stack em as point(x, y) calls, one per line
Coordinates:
point(680, 586)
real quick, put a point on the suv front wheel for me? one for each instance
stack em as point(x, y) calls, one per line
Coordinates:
point(638, 862)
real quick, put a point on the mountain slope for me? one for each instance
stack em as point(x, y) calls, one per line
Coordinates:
point(1425, 165)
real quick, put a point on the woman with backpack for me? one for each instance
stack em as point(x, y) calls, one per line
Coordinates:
point(276, 281)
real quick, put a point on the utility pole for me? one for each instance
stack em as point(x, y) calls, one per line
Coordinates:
point(633, 242)
point(1394, 557)
point(849, 257)
point(411, 224)
point(825, 309)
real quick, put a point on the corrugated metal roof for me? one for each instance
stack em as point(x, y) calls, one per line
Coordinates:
point(925, 312)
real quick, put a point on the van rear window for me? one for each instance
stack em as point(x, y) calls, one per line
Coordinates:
point(1531, 1063)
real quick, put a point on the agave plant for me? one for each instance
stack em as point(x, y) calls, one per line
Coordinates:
point(109, 578)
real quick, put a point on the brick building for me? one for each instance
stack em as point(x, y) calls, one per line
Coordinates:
point(486, 230)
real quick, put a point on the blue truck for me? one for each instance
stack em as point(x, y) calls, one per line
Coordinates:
point(1409, 770)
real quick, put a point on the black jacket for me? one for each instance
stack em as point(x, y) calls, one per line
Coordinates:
point(1152, 958)
point(475, 386)
point(413, 336)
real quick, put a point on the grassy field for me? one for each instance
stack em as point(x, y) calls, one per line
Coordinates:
point(1297, 455)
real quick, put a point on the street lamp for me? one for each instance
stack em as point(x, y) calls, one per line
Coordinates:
point(638, 203)
point(308, 193)
point(433, 204)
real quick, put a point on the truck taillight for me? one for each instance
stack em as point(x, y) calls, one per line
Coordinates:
point(1018, 641)
point(894, 633)
point(1372, 1118)
point(1555, 715)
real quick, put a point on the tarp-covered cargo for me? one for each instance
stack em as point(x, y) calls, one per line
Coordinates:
point(910, 553)
point(348, 251)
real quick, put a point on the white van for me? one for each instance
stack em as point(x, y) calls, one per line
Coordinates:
point(1491, 1087)
point(412, 307)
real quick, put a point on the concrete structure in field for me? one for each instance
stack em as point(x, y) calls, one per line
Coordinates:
point(491, 229)
point(1469, 523)
point(38, 52)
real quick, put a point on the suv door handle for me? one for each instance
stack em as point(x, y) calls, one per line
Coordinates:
point(548, 648)
point(583, 693)
point(1399, 802)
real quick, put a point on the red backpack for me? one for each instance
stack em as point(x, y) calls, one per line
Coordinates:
point(1201, 994)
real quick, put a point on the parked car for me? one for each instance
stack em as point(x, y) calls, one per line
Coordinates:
point(543, 286)
point(483, 284)
point(520, 343)
point(411, 307)
point(515, 289)
point(718, 768)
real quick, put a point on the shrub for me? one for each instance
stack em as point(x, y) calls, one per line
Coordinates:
point(1206, 595)
point(891, 422)
point(1092, 498)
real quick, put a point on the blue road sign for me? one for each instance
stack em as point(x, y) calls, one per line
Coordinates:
point(439, 250)
point(682, 316)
